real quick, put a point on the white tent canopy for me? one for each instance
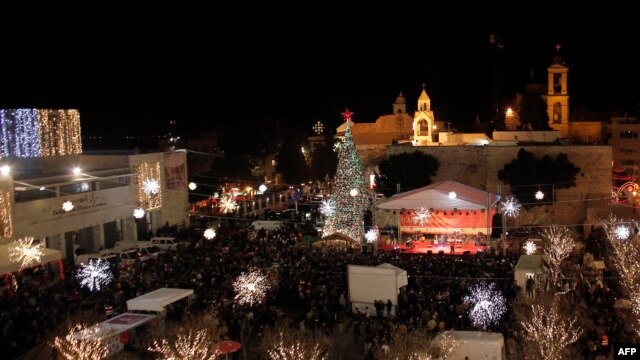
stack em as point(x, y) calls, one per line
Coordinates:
point(6, 265)
point(370, 283)
point(436, 196)
point(158, 299)
point(529, 266)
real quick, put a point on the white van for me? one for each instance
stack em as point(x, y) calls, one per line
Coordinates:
point(84, 258)
point(266, 224)
point(165, 243)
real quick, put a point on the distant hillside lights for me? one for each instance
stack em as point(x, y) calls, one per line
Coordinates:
point(39, 132)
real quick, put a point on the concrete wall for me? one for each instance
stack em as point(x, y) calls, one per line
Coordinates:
point(478, 166)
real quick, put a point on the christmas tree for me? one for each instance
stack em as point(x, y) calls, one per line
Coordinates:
point(350, 193)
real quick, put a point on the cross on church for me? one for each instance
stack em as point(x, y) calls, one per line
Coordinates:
point(558, 47)
point(318, 128)
point(346, 115)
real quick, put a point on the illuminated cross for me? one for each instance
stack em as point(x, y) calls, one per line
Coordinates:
point(347, 114)
point(318, 128)
point(558, 47)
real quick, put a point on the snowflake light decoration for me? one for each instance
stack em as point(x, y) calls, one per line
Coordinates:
point(328, 207)
point(487, 305)
point(622, 232)
point(25, 252)
point(251, 287)
point(510, 206)
point(530, 247)
point(228, 205)
point(193, 186)
point(372, 235)
point(138, 213)
point(151, 186)
point(67, 206)
point(539, 195)
point(209, 234)
point(94, 275)
point(421, 216)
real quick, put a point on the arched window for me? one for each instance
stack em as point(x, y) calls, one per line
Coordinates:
point(557, 113)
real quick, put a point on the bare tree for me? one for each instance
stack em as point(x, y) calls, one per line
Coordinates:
point(81, 343)
point(284, 342)
point(558, 245)
point(549, 330)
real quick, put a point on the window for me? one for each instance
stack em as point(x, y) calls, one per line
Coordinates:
point(114, 182)
point(77, 187)
point(21, 195)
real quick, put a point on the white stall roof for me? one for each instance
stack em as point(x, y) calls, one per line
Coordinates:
point(157, 299)
point(116, 325)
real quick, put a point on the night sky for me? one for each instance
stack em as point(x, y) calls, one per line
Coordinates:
point(301, 66)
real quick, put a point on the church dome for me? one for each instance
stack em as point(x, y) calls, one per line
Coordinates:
point(400, 99)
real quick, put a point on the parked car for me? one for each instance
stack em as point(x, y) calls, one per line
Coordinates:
point(165, 243)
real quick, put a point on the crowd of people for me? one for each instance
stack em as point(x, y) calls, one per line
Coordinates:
point(309, 289)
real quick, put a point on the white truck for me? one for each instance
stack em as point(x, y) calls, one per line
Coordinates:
point(475, 345)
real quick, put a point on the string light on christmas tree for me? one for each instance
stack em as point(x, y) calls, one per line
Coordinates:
point(67, 206)
point(510, 206)
point(486, 305)
point(251, 287)
point(94, 275)
point(209, 234)
point(151, 186)
point(421, 216)
point(193, 186)
point(25, 252)
point(530, 247)
point(138, 213)
point(328, 207)
point(539, 195)
point(622, 232)
point(81, 343)
point(228, 205)
point(372, 235)
point(348, 218)
point(195, 345)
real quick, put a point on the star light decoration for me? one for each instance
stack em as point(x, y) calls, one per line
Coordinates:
point(67, 206)
point(622, 232)
point(421, 215)
point(251, 287)
point(193, 345)
point(94, 275)
point(372, 235)
point(209, 234)
point(487, 305)
point(262, 188)
point(452, 195)
point(193, 186)
point(82, 343)
point(328, 207)
point(354, 192)
point(228, 205)
point(530, 247)
point(539, 195)
point(138, 213)
point(151, 186)
point(510, 206)
point(25, 252)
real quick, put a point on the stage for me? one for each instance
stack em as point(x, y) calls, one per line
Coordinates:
point(426, 247)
